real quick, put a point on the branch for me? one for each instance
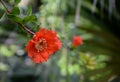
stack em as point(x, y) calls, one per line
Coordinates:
point(20, 24)
point(28, 30)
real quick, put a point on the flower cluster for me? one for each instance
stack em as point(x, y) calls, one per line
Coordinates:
point(43, 44)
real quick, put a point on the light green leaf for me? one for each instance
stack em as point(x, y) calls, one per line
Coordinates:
point(3, 67)
point(29, 13)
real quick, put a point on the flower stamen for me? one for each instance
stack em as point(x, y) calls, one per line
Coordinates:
point(41, 45)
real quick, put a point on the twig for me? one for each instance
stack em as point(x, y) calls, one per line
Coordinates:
point(4, 5)
point(20, 24)
point(28, 30)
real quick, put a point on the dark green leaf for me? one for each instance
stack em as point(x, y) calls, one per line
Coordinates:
point(14, 18)
point(28, 19)
point(17, 1)
point(15, 11)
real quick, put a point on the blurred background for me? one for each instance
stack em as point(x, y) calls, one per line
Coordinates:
point(97, 60)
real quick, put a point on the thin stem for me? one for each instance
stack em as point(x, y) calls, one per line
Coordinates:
point(4, 6)
point(20, 24)
point(28, 30)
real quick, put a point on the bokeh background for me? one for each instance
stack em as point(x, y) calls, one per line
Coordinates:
point(97, 60)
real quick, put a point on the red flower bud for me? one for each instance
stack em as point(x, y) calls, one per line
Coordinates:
point(77, 40)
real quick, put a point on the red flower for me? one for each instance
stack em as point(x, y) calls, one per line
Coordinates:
point(43, 44)
point(77, 40)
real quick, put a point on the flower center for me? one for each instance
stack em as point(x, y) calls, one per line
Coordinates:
point(41, 45)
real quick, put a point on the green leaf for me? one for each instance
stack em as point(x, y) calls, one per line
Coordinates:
point(29, 11)
point(36, 27)
point(3, 16)
point(3, 67)
point(15, 11)
point(14, 18)
point(28, 19)
point(17, 1)
point(7, 51)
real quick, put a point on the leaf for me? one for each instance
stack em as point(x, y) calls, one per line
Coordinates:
point(28, 19)
point(36, 27)
point(17, 1)
point(29, 13)
point(15, 11)
point(2, 18)
point(6, 51)
point(3, 67)
point(14, 18)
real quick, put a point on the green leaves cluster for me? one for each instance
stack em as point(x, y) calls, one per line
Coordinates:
point(14, 15)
